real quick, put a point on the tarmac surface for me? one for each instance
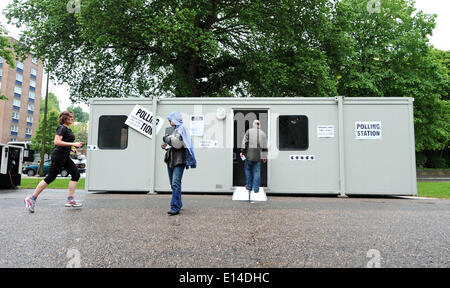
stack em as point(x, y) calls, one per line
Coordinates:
point(134, 230)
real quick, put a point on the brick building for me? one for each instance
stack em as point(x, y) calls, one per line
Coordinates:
point(19, 115)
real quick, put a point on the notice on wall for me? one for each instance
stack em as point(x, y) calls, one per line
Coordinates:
point(208, 143)
point(368, 130)
point(197, 125)
point(141, 120)
point(325, 131)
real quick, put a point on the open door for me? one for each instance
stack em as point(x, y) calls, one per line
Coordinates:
point(243, 120)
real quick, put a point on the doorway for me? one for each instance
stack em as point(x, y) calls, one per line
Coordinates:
point(243, 120)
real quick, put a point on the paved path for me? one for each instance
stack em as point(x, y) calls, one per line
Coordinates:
point(123, 230)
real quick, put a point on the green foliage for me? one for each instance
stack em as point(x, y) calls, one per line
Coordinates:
point(80, 130)
point(6, 51)
point(221, 48)
point(52, 104)
point(52, 125)
point(387, 54)
point(122, 48)
point(78, 114)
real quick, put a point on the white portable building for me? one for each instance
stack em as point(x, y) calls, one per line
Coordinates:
point(335, 145)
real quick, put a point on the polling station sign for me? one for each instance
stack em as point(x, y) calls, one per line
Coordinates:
point(141, 120)
point(368, 129)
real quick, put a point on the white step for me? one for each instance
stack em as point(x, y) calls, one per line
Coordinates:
point(241, 194)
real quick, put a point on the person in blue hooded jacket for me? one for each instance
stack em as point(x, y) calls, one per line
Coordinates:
point(179, 156)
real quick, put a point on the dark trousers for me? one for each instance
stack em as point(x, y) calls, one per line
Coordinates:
point(60, 161)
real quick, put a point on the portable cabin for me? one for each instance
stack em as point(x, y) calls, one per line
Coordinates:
point(11, 158)
point(335, 145)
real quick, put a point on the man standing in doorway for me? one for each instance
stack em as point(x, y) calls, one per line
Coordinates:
point(254, 147)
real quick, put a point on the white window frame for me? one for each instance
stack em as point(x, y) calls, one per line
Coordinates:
point(15, 115)
point(30, 105)
point(19, 65)
point(19, 77)
point(30, 119)
point(31, 95)
point(16, 102)
point(33, 72)
point(14, 128)
point(18, 90)
point(32, 83)
point(28, 131)
point(34, 60)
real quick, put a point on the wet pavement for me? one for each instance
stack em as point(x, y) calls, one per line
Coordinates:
point(134, 230)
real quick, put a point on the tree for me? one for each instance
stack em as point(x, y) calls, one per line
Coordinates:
point(123, 48)
point(387, 54)
point(78, 114)
point(52, 125)
point(6, 51)
point(219, 48)
point(53, 104)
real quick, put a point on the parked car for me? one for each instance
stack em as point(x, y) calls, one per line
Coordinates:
point(32, 170)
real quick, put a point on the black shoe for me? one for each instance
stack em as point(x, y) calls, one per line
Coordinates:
point(171, 212)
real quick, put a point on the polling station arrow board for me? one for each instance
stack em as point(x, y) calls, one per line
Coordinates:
point(141, 120)
point(368, 130)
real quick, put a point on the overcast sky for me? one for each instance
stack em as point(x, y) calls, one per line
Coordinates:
point(439, 39)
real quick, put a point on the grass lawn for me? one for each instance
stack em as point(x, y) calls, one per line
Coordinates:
point(31, 183)
point(433, 189)
point(424, 189)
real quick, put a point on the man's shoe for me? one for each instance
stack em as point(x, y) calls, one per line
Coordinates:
point(172, 212)
point(29, 204)
point(256, 191)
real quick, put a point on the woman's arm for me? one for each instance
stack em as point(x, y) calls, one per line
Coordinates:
point(175, 140)
point(58, 142)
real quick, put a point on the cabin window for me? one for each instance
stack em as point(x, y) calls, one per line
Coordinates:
point(293, 132)
point(112, 132)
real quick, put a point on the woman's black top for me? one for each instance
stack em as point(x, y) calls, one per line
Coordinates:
point(67, 136)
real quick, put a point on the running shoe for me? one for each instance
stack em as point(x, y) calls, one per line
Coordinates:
point(73, 203)
point(29, 204)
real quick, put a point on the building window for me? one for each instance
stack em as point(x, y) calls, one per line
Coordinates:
point(112, 132)
point(17, 91)
point(19, 79)
point(28, 131)
point(19, 66)
point(15, 115)
point(13, 139)
point(33, 83)
point(30, 119)
point(293, 132)
point(31, 95)
point(16, 102)
point(14, 128)
point(30, 107)
point(34, 60)
point(33, 73)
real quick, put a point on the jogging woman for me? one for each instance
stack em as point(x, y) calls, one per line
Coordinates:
point(64, 140)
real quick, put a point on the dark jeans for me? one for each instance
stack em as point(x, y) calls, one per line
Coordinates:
point(175, 176)
point(59, 161)
point(253, 175)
